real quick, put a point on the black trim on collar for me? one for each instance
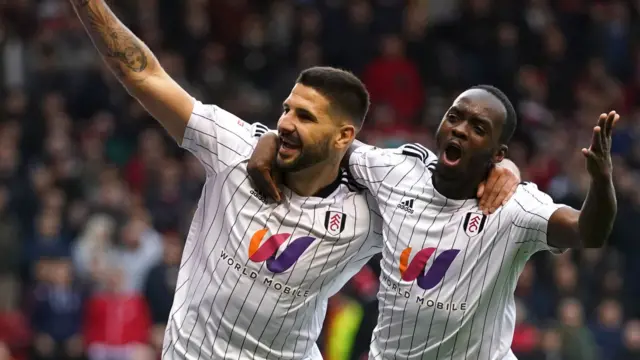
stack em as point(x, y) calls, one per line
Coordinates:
point(329, 189)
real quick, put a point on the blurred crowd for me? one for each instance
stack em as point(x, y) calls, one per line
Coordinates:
point(95, 199)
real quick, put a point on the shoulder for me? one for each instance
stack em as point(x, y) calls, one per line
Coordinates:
point(528, 193)
point(396, 156)
point(350, 183)
point(419, 152)
point(210, 114)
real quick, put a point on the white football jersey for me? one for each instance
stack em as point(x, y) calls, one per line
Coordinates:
point(255, 275)
point(448, 271)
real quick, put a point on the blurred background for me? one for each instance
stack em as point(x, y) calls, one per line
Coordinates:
point(95, 198)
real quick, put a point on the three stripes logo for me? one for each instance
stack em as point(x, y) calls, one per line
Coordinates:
point(407, 206)
point(414, 270)
point(267, 251)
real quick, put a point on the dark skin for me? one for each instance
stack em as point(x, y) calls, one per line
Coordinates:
point(475, 122)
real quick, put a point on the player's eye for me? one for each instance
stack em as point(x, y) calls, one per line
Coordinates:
point(305, 116)
point(285, 110)
point(479, 130)
point(451, 117)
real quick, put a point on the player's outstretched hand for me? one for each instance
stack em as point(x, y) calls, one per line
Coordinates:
point(260, 166)
point(599, 153)
point(497, 189)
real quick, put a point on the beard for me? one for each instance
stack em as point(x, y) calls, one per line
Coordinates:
point(309, 155)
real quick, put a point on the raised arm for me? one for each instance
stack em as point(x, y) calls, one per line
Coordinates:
point(591, 226)
point(136, 67)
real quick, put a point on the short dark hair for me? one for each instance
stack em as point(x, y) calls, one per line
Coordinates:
point(511, 121)
point(346, 93)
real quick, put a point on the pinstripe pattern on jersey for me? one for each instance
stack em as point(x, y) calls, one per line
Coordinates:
point(236, 316)
point(455, 239)
point(483, 285)
point(404, 217)
point(191, 276)
point(272, 276)
point(213, 301)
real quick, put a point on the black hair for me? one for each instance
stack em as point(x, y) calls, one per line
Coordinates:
point(346, 93)
point(511, 121)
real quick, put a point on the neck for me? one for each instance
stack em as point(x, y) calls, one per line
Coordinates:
point(461, 188)
point(310, 181)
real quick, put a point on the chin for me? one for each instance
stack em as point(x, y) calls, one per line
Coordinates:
point(451, 172)
point(288, 164)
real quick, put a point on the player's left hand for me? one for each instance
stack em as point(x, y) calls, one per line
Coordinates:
point(497, 189)
point(598, 155)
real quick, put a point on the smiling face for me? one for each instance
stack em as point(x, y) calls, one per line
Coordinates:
point(310, 131)
point(468, 139)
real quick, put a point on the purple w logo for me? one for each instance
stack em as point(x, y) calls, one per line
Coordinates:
point(267, 252)
point(415, 269)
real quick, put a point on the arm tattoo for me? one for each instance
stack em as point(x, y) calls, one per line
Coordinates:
point(123, 51)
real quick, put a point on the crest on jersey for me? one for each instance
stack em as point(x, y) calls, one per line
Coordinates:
point(334, 222)
point(474, 223)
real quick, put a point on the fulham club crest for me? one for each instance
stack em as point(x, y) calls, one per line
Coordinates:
point(334, 222)
point(474, 223)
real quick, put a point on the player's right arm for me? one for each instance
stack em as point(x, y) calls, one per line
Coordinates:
point(136, 67)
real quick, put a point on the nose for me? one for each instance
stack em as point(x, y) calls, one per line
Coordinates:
point(286, 124)
point(460, 130)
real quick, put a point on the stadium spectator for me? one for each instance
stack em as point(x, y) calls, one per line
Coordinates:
point(161, 285)
point(631, 341)
point(117, 321)
point(57, 315)
point(607, 329)
point(577, 341)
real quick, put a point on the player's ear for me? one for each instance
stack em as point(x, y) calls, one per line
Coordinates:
point(501, 153)
point(345, 136)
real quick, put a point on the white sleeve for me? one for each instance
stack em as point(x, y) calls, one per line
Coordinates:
point(218, 138)
point(533, 211)
point(370, 165)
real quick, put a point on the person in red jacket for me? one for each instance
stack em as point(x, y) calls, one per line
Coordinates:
point(117, 323)
point(394, 80)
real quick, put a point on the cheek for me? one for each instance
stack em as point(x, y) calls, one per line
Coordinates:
point(442, 129)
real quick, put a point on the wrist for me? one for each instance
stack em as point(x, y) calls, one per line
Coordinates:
point(605, 178)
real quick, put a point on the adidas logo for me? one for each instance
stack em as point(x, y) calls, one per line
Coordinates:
point(407, 206)
point(259, 196)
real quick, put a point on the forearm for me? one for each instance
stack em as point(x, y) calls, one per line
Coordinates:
point(508, 164)
point(598, 213)
point(126, 55)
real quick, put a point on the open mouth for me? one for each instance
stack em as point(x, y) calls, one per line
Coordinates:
point(288, 145)
point(452, 154)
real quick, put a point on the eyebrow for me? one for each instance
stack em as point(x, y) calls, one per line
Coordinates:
point(485, 121)
point(301, 111)
point(474, 117)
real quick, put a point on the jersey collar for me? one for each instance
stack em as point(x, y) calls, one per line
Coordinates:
point(329, 189)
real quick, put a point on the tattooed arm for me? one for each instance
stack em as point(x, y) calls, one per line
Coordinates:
point(136, 67)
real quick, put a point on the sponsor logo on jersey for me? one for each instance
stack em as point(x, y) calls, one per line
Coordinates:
point(407, 206)
point(335, 222)
point(267, 251)
point(415, 270)
point(259, 196)
point(474, 223)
